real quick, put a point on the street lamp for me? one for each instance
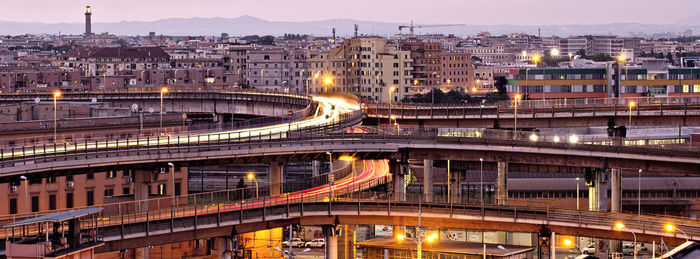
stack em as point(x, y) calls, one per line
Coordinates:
point(26, 193)
point(639, 193)
point(671, 228)
point(515, 118)
point(631, 104)
point(330, 176)
point(391, 90)
point(622, 227)
point(419, 237)
point(56, 94)
point(172, 177)
point(163, 91)
point(481, 180)
point(577, 193)
point(432, 91)
point(251, 177)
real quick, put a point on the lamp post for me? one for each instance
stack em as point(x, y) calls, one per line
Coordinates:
point(577, 193)
point(568, 242)
point(622, 226)
point(481, 181)
point(56, 94)
point(631, 105)
point(671, 228)
point(162, 92)
point(419, 237)
point(330, 176)
point(432, 91)
point(639, 193)
point(172, 177)
point(535, 59)
point(391, 90)
point(251, 177)
point(515, 118)
point(26, 194)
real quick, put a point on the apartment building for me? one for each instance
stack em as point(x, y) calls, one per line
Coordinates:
point(326, 71)
point(646, 80)
point(111, 60)
point(457, 71)
point(604, 45)
point(572, 45)
point(375, 67)
point(43, 79)
point(65, 192)
point(426, 62)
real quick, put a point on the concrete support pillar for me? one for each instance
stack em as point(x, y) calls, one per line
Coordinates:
point(142, 180)
point(331, 241)
point(456, 190)
point(141, 253)
point(316, 167)
point(223, 251)
point(275, 178)
point(428, 179)
point(399, 171)
point(347, 242)
point(502, 184)
point(598, 191)
point(615, 202)
point(553, 246)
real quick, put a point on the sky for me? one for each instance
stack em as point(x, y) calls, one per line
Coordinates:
point(477, 12)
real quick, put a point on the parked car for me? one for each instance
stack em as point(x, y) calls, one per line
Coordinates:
point(318, 242)
point(590, 249)
point(296, 242)
point(628, 249)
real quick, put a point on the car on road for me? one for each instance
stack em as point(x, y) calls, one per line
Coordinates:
point(318, 242)
point(296, 242)
point(590, 249)
point(628, 249)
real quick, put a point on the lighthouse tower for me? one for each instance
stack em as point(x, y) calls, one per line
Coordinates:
point(88, 23)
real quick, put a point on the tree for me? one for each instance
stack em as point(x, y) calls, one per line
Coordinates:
point(581, 52)
point(267, 40)
point(602, 57)
point(456, 95)
point(122, 43)
point(501, 93)
point(669, 56)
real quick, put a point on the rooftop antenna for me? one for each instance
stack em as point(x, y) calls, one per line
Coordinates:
point(539, 33)
point(357, 27)
point(333, 35)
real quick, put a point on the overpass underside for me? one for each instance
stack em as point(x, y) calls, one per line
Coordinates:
point(489, 218)
point(526, 121)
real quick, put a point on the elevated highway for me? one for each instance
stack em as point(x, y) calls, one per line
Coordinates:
point(229, 147)
point(354, 199)
point(660, 111)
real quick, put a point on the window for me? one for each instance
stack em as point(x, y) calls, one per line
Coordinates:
point(52, 201)
point(90, 176)
point(35, 203)
point(90, 198)
point(599, 88)
point(111, 174)
point(69, 200)
point(177, 189)
point(125, 190)
point(109, 192)
point(161, 189)
point(13, 205)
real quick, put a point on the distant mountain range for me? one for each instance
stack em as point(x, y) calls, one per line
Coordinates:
point(248, 25)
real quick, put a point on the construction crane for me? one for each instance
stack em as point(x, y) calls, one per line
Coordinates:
point(411, 26)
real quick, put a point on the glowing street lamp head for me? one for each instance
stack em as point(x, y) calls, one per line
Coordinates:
point(392, 89)
point(251, 176)
point(567, 242)
point(632, 104)
point(415, 82)
point(554, 52)
point(57, 94)
point(535, 58)
point(400, 237)
point(431, 238)
point(621, 58)
point(517, 97)
point(327, 80)
point(619, 225)
point(346, 158)
point(164, 90)
point(670, 227)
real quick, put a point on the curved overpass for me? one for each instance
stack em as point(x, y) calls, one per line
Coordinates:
point(303, 145)
point(356, 202)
